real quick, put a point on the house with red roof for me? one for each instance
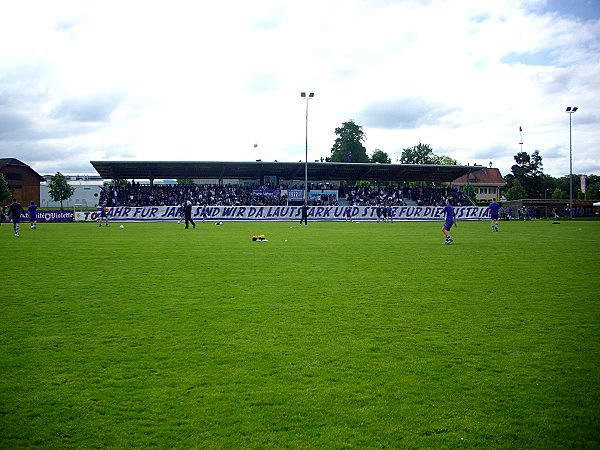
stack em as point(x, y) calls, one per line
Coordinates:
point(486, 183)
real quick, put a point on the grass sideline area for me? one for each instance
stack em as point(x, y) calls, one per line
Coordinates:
point(333, 335)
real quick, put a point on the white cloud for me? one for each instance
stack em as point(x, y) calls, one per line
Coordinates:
point(187, 80)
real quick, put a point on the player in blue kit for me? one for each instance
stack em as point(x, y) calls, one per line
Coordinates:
point(449, 220)
point(493, 208)
point(102, 214)
point(348, 214)
point(32, 210)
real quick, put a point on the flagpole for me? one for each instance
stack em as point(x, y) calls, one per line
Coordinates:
point(521, 136)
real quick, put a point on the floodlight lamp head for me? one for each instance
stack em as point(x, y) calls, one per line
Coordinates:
point(303, 94)
point(312, 94)
point(568, 109)
point(574, 109)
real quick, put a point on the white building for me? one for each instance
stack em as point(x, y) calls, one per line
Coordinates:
point(86, 195)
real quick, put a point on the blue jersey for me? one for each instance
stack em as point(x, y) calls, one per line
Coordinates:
point(494, 208)
point(32, 211)
point(448, 212)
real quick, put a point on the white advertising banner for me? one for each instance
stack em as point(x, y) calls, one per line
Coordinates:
point(280, 213)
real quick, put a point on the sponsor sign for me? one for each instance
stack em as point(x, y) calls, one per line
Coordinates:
point(281, 213)
point(266, 191)
point(50, 215)
point(295, 195)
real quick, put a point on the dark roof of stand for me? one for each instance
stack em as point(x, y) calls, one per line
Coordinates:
point(317, 171)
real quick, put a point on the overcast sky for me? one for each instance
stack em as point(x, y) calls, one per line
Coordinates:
point(206, 81)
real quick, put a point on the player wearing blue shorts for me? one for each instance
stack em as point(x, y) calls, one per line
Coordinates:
point(449, 220)
point(493, 208)
point(348, 214)
point(32, 210)
point(102, 214)
point(15, 210)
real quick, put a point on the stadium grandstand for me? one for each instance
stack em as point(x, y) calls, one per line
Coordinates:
point(280, 183)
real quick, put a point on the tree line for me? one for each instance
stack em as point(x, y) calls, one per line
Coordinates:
point(348, 147)
point(528, 180)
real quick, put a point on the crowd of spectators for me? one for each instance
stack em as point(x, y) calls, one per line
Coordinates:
point(136, 194)
point(373, 195)
point(435, 196)
point(398, 195)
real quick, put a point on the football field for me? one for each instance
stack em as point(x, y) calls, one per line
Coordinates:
point(333, 335)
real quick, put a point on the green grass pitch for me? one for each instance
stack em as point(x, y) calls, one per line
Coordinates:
point(347, 335)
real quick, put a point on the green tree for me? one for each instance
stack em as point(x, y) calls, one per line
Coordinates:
point(379, 156)
point(444, 160)
point(119, 182)
point(59, 188)
point(4, 191)
point(516, 191)
point(418, 154)
point(528, 170)
point(559, 194)
point(470, 192)
point(348, 146)
point(185, 181)
point(593, 189)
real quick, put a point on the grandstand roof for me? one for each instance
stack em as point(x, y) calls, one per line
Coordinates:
point(287, 170)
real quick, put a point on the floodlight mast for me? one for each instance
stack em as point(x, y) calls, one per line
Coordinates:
point(570, 110)
point(303, 95)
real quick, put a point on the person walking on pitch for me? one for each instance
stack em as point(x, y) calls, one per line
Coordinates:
point(449, 220)
point(15, 210)
point(304, 213)
point(493, 208)
point(32, 209)
point(102, 214)
point(188, 215)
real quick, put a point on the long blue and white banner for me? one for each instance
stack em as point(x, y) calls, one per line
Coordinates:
point(280, 213)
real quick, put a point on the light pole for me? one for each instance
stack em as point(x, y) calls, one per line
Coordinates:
point(303, 95)
point(570, 111)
